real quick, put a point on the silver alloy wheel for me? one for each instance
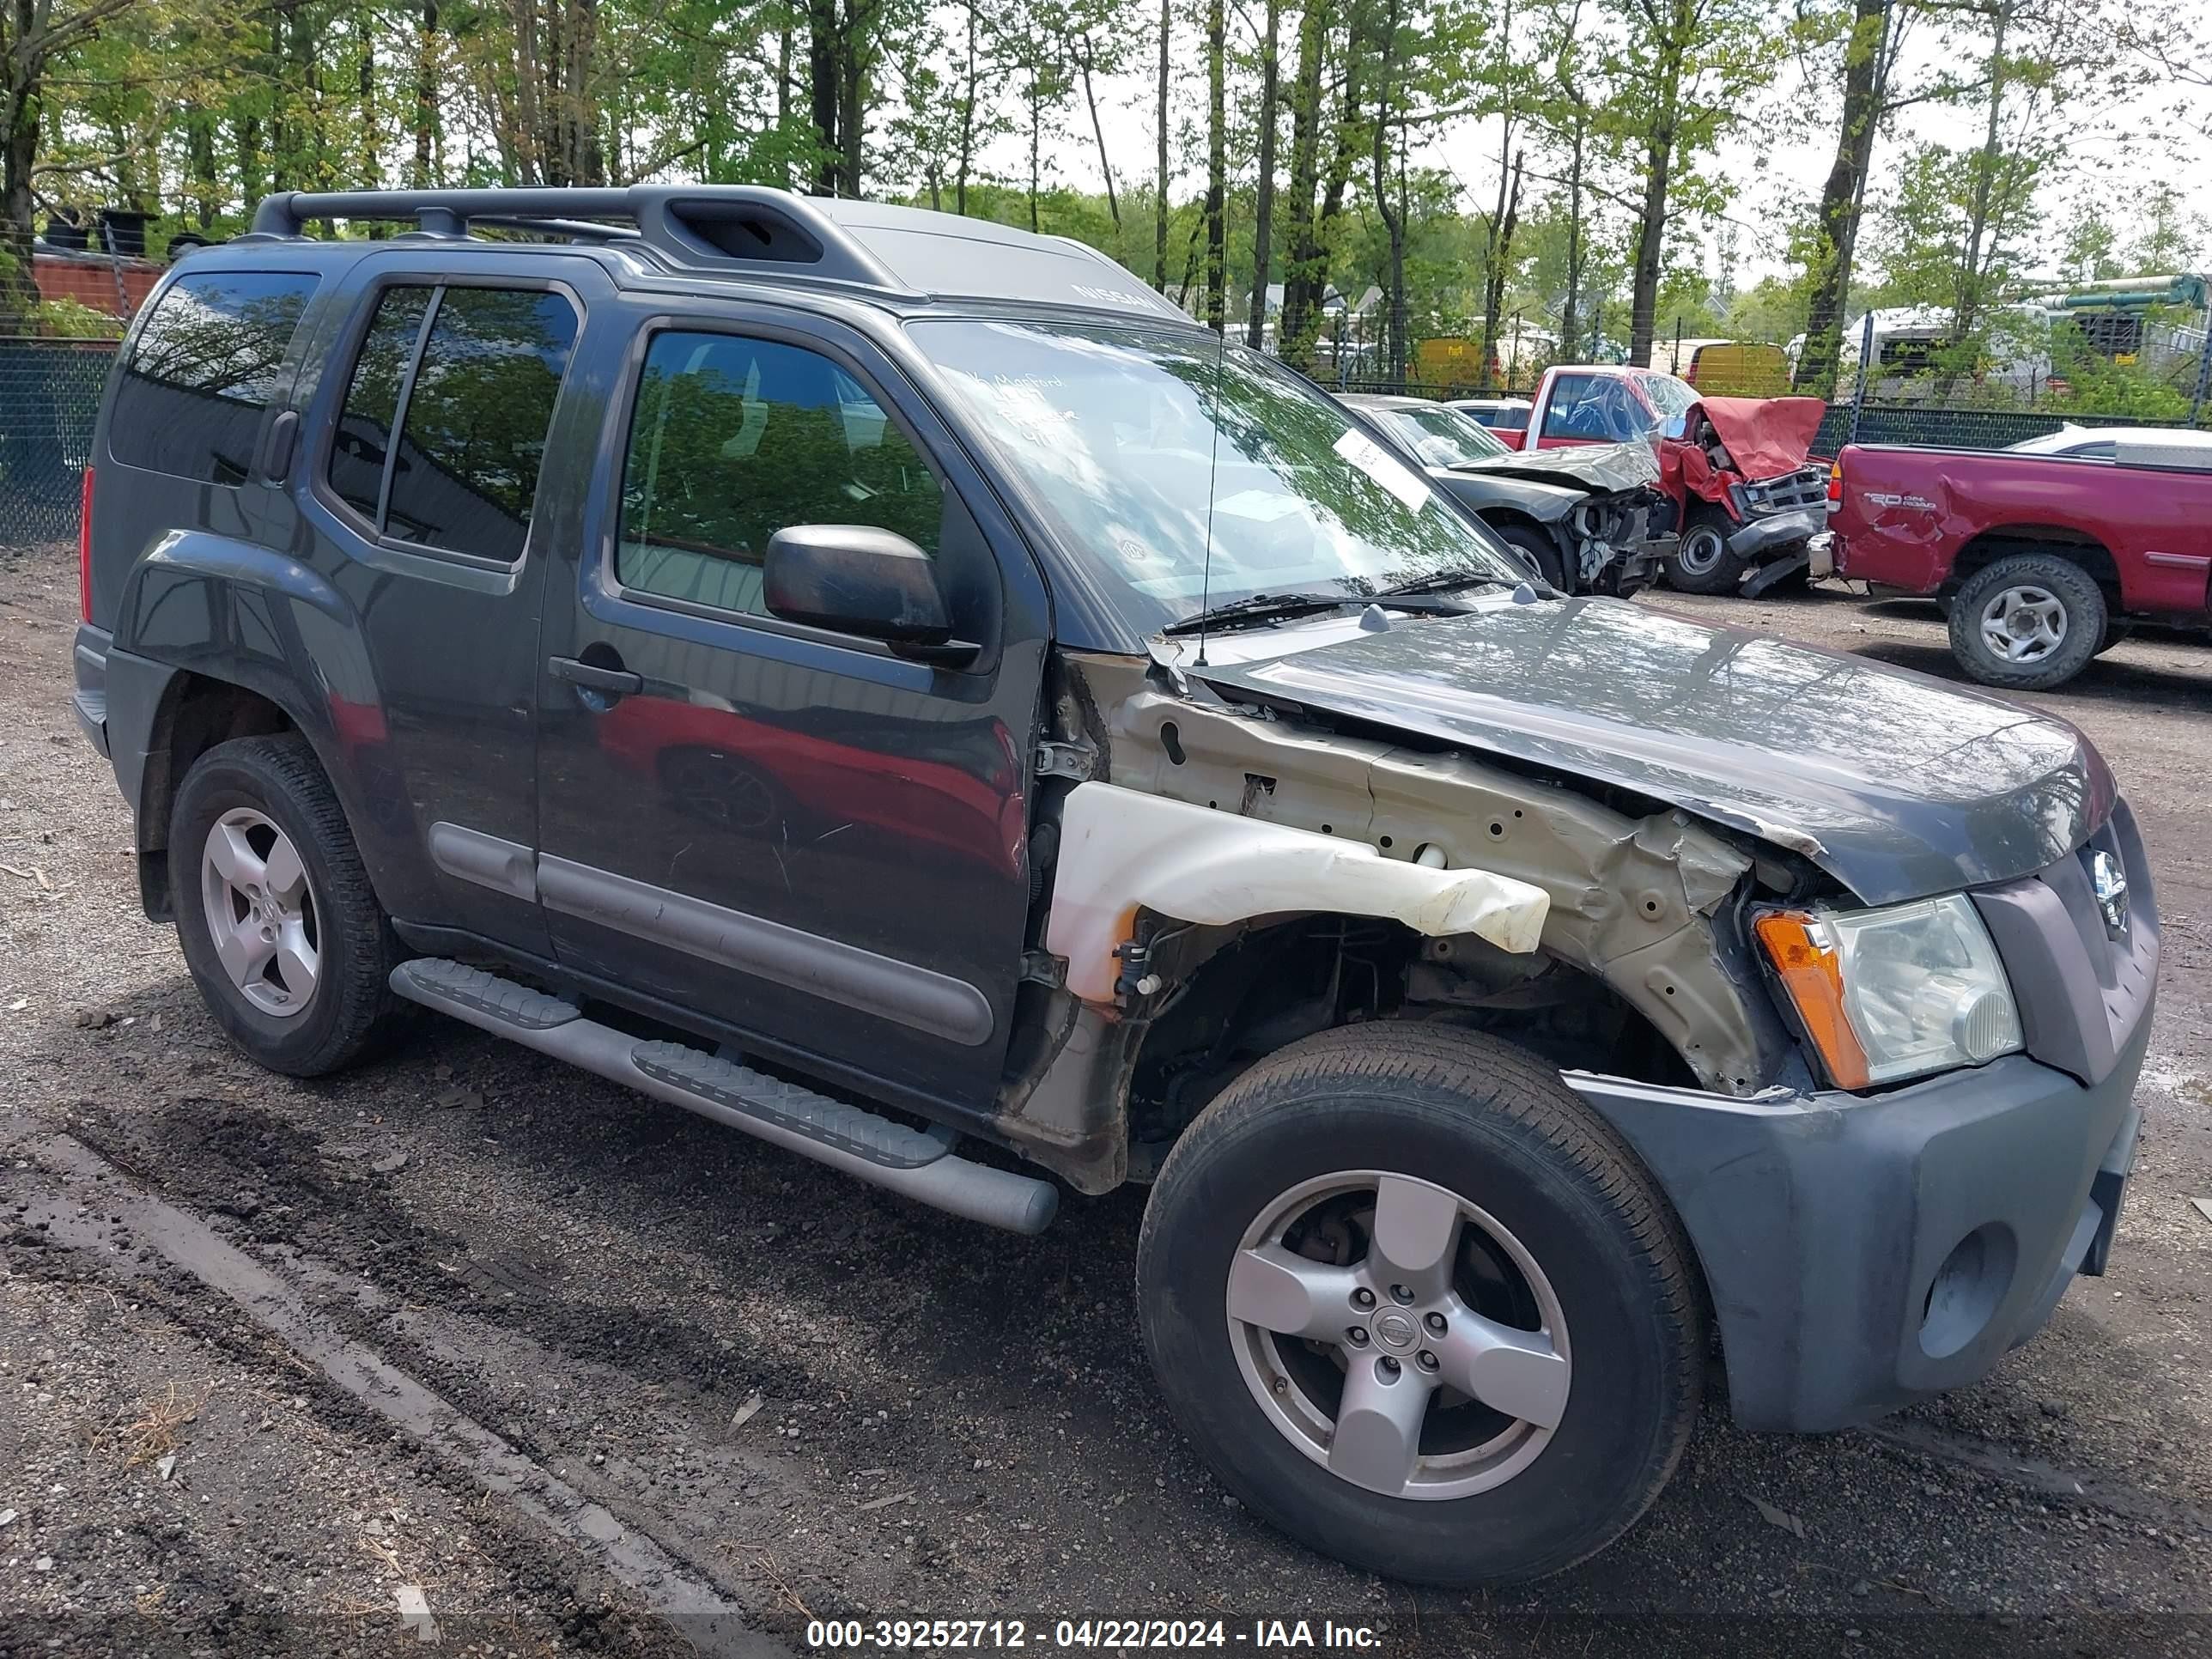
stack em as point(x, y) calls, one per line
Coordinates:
point(1698, 553)
point(261, 912)
point(1432, 1398)
point(2023, 623)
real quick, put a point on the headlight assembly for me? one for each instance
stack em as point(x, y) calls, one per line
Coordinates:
point(1895, 992)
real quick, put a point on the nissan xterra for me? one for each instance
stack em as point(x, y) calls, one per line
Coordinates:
point(896, 686)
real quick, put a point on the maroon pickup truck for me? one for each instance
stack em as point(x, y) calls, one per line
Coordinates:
point(2041, 562)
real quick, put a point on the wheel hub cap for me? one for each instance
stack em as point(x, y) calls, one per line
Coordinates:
point(1398, 1335)
point(2024, 623)
point(261, 915)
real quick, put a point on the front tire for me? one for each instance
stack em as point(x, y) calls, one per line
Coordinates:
point(1421, 1309)
point(291, 949)
point(1537, 547)
point(1701, 561)
point(2027, 623)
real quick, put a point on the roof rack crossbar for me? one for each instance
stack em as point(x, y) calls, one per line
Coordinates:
point(749, 225)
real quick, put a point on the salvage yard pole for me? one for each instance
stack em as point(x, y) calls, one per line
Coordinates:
point(1866, 350)
point(2203, 377)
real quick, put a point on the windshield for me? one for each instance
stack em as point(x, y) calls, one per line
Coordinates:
point(1617, 408)
point(1114, 431)
point(1440, 436)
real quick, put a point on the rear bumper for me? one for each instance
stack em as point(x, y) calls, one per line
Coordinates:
point(88, 701)
point(1864, 1253)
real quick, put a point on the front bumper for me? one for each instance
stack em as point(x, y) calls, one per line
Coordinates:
point(1765, 537)
point(1863, 1253)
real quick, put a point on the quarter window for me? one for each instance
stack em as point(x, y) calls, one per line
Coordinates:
point(202, 373)
point(733, 439)
point(372, 405)
point(472, 410)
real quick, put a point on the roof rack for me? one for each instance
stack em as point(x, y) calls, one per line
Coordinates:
point(712, 225)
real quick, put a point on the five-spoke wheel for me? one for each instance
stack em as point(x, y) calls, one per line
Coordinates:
point(260, 912)
point(1430, 1363)
point(1358, 1273)
point(278, 923)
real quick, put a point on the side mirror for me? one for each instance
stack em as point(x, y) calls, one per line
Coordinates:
point(855, 579)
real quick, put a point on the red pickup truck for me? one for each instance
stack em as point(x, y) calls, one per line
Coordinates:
point(2040, 561)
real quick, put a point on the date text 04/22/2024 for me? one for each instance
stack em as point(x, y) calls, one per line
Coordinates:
point(1111, 1635)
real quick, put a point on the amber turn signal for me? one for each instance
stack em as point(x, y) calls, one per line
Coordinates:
point(1812, 973)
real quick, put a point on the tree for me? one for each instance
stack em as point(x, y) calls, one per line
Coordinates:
point(35, 37)
point(1693, 65)
point(1870, 49)
point(1263, 208)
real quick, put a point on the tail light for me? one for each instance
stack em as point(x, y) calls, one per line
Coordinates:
point(84, 550)
point(1836, 479)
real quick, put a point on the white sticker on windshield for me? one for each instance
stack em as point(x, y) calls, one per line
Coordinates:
point(1386, 469)
point(1260, 506)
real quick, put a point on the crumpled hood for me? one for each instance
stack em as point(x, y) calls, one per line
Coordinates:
point(1897, 784)
point(1600, 468)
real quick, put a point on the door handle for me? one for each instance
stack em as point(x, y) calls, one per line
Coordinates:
point(590, 677)
point(276, 460)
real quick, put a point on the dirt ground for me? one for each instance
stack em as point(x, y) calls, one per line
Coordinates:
point(469, 1346)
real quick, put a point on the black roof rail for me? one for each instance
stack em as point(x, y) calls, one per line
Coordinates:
point(752, 226)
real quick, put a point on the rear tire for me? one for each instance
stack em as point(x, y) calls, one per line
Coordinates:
point(261, 855)
point(1701, 561)
point(1559, 1238)
point(2027, 623)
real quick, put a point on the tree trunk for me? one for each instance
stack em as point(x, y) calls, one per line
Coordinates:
point(1493, 252)
point(1036, 145)
point(1567, 317)
point(825, 49)
point(1160, 199)
point(372, 177)
point(856, 44)
point(1303, 274)
point(1217, 167)
point(426, 98)
point(207, 183)
point(1967, 312)
point(19, 154)
point(1670, 50)
point(1263, 208)
point(967, 121)
point(1501, 263)
point(1394, 222)
point(1864, 60)
point(1098, 132)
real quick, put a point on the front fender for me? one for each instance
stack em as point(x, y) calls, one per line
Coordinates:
point(1122, 850)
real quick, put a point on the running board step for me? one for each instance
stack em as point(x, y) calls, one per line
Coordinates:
point(918, 1164)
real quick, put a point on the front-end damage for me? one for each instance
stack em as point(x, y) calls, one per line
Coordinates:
point(1376, 880)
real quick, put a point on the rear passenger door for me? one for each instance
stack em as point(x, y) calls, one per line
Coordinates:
point(799, 833)
point(426, 475)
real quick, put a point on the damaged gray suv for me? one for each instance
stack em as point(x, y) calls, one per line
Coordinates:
point(897, 687)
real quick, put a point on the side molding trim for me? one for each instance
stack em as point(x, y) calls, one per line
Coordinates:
point(505, 866)
point(827, 968)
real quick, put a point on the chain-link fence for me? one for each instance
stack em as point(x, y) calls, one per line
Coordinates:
point(1951, 428)
point(1927, 424)
point(49, 399)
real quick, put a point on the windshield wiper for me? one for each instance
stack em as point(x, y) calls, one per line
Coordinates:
point(1261, 607)
point(1439, 584)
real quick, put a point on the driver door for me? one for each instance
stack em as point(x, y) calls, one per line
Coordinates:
point(801, 836)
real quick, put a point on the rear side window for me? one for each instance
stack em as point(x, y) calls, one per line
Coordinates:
point(1509, 419)
point(472, 402)
point(202, 373)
